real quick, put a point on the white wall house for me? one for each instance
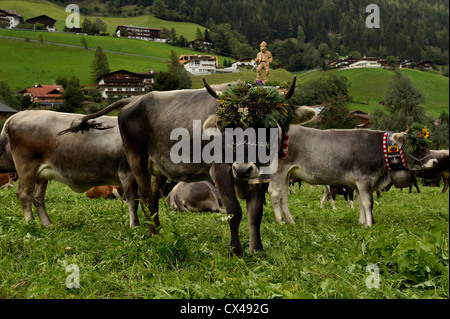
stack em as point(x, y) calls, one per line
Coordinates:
point(199, 64)
point(366, 63)
point(244, 63)
point(11, 17)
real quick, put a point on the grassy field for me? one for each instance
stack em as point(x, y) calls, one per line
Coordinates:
point(324, 255)
point(35, 8)
point(25, 63)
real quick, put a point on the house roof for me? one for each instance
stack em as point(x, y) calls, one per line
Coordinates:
point(40, 17)
point(4, 12)
point(139, 74)
point(135, 27)
point(6, 109)
point(45, 91)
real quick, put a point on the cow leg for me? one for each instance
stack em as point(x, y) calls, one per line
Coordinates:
point(222, 173)
point(25, 189)
point(325, 193)
point(255, 204)
point(276, 195)
point(365, 201)
point(444, 189)
point(39, 202)
point(131, 196)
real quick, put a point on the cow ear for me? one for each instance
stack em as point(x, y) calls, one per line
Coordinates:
point(303, 114)
point(211, 122)
point(399, 138)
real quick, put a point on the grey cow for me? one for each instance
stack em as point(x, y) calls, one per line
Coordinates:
point(146, 125)
point(353, 158)
point(81, 161)
point(195, 197)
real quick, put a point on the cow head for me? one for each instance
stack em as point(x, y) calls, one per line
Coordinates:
point(415, 145)
point(265, 140)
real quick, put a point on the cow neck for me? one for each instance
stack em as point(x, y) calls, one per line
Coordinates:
point(393, 154)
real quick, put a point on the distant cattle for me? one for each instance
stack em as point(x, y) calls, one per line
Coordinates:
point(440, 171)
point(195, 197)
point(353, 158)
point(331, 191)
point(147, 125)
point(80, 161)
point(292, 181)
point(106, 192)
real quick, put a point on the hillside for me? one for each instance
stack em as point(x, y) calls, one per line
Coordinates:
point(367, 85)
point(35, 8)
point(25, 63)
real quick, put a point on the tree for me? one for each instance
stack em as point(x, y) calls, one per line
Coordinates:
point(166, 81)
point(73, 97)
point(335, 115)
point(178, 70)
point(100, 64)
point(403, 102)
point(84, 43)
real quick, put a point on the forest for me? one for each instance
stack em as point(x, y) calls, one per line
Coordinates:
point(417, 30)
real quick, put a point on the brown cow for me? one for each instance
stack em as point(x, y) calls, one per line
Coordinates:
point(7, 180)
point(106, 192)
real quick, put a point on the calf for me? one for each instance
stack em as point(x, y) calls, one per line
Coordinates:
point(106, 192)
point(354, 158)
point(331, 191)
point(195, 197)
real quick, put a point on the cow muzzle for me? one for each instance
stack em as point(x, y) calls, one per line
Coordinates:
point(245, 171)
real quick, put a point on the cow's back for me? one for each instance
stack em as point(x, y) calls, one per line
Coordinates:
point(78, 160)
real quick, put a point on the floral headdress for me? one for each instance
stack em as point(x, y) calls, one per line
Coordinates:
point(244, 105)
point(417, 137)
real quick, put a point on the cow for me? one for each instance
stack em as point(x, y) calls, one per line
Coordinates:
point(292, 181)
point(353, 158)
point(147, 124)
point(331, 191)
point(80, 161)
point(106, 192)
point(436, 173)
point(7, 180)
point(195, 197)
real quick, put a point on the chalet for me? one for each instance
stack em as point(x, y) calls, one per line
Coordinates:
point(366, 62)
point(123, 83)
point(6, 111)
point(11, 18)
point(244, 63)
point(405, 64)
point(142, 33)
point(49, 23)
point(204, 44)
point(199, 64)
point(341, 63)
point(47, 96)
point(426, 65)
point(365, 119)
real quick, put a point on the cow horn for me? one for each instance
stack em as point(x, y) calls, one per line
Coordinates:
point(209, 89)
point(292, 88)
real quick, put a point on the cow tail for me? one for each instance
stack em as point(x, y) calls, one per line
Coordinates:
point(83, 125)
point(4, 137)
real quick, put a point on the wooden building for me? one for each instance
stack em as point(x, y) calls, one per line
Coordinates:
point(45, 20)
point(10, 18)
point(142, 33)
point(123, 83)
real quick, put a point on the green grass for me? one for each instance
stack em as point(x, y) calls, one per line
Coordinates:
point(25, 63)
point(324, 255)
point(35, 8)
